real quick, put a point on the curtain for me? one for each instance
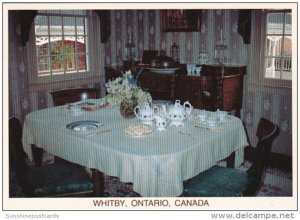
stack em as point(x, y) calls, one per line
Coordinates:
point(104, 16)
point(244, 24)
point(26, 18)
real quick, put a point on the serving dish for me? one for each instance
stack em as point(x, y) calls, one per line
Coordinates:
point(162, 70)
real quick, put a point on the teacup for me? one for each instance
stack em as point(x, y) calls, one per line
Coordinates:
point(202, 115)
point(161, 122)
point(212, 121)
point(222, 115)
point(75, 109)
point(198, 70)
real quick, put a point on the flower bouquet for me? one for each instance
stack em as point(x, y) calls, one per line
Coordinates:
point(124, 91)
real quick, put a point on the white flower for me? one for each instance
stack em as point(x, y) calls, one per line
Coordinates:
point(124, 88)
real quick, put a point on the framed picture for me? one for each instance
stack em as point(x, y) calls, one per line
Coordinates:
point(181, 20)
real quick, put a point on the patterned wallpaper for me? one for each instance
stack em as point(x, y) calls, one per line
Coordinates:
point(145, 27)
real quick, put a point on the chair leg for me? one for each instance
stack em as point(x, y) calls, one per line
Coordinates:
point(98, 180)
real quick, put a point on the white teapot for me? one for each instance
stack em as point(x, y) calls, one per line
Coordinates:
point(146, 113)
point(178, 113)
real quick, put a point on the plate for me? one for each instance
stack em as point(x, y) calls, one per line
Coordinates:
point(138, 130)
point(84, 125)
point(163, 70)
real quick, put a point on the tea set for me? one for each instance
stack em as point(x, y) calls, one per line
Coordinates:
point(173, 115)
point(212, 119)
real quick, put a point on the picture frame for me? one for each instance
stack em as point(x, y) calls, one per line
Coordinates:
point(188, 20)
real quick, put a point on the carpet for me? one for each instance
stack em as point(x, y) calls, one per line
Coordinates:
point(276, 183)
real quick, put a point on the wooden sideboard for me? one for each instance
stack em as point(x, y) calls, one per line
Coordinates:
point(229, 80)
point(218, 87)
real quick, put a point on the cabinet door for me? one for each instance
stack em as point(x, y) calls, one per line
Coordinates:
point(160, 86)
point(209, 93)
point(232, 92)
point(188, 88)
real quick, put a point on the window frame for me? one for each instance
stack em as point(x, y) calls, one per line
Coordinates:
point(260, 27)
point(51, 82)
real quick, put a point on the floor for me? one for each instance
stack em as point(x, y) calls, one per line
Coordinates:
point(276, 183)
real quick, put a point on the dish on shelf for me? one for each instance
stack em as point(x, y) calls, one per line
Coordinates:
point(84, 125)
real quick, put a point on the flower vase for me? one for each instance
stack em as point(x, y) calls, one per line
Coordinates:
point(127, 109)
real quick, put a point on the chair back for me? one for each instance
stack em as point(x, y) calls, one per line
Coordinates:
point(266, 132)
point(61, 97)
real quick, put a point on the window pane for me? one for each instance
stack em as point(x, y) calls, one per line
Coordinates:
point(287, 50)
point(43, 65)
point(80, 26)
point(82, 62)
point(288, 23)
point(273, 47)
point(57, 64)
point(275, 23)
point(42, 41)
point(69, 26)
point(41, 25)
point(55, 25)
point(69, 56)
point(42, 49)
point(81, 46)
point(70, 62)
point(272, 67)
point(69, 45)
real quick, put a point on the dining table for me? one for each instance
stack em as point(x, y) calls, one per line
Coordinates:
point(157, 163)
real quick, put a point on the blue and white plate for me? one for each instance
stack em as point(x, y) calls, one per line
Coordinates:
point(84, 125)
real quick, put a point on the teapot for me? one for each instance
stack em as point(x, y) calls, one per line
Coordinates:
point(146, 113)
point(178, 113)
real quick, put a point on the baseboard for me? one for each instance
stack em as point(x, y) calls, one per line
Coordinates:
point(280, 161)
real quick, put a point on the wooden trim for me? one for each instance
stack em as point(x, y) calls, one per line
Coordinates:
point(63, 84)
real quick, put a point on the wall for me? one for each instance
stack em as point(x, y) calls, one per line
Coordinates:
point(145, 26)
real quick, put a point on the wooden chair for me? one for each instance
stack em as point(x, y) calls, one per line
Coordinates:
point(61, 179)
point(61, 97)
point(227, 182)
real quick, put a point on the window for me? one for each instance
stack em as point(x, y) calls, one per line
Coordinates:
point(61, 43)
point(278, 45)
